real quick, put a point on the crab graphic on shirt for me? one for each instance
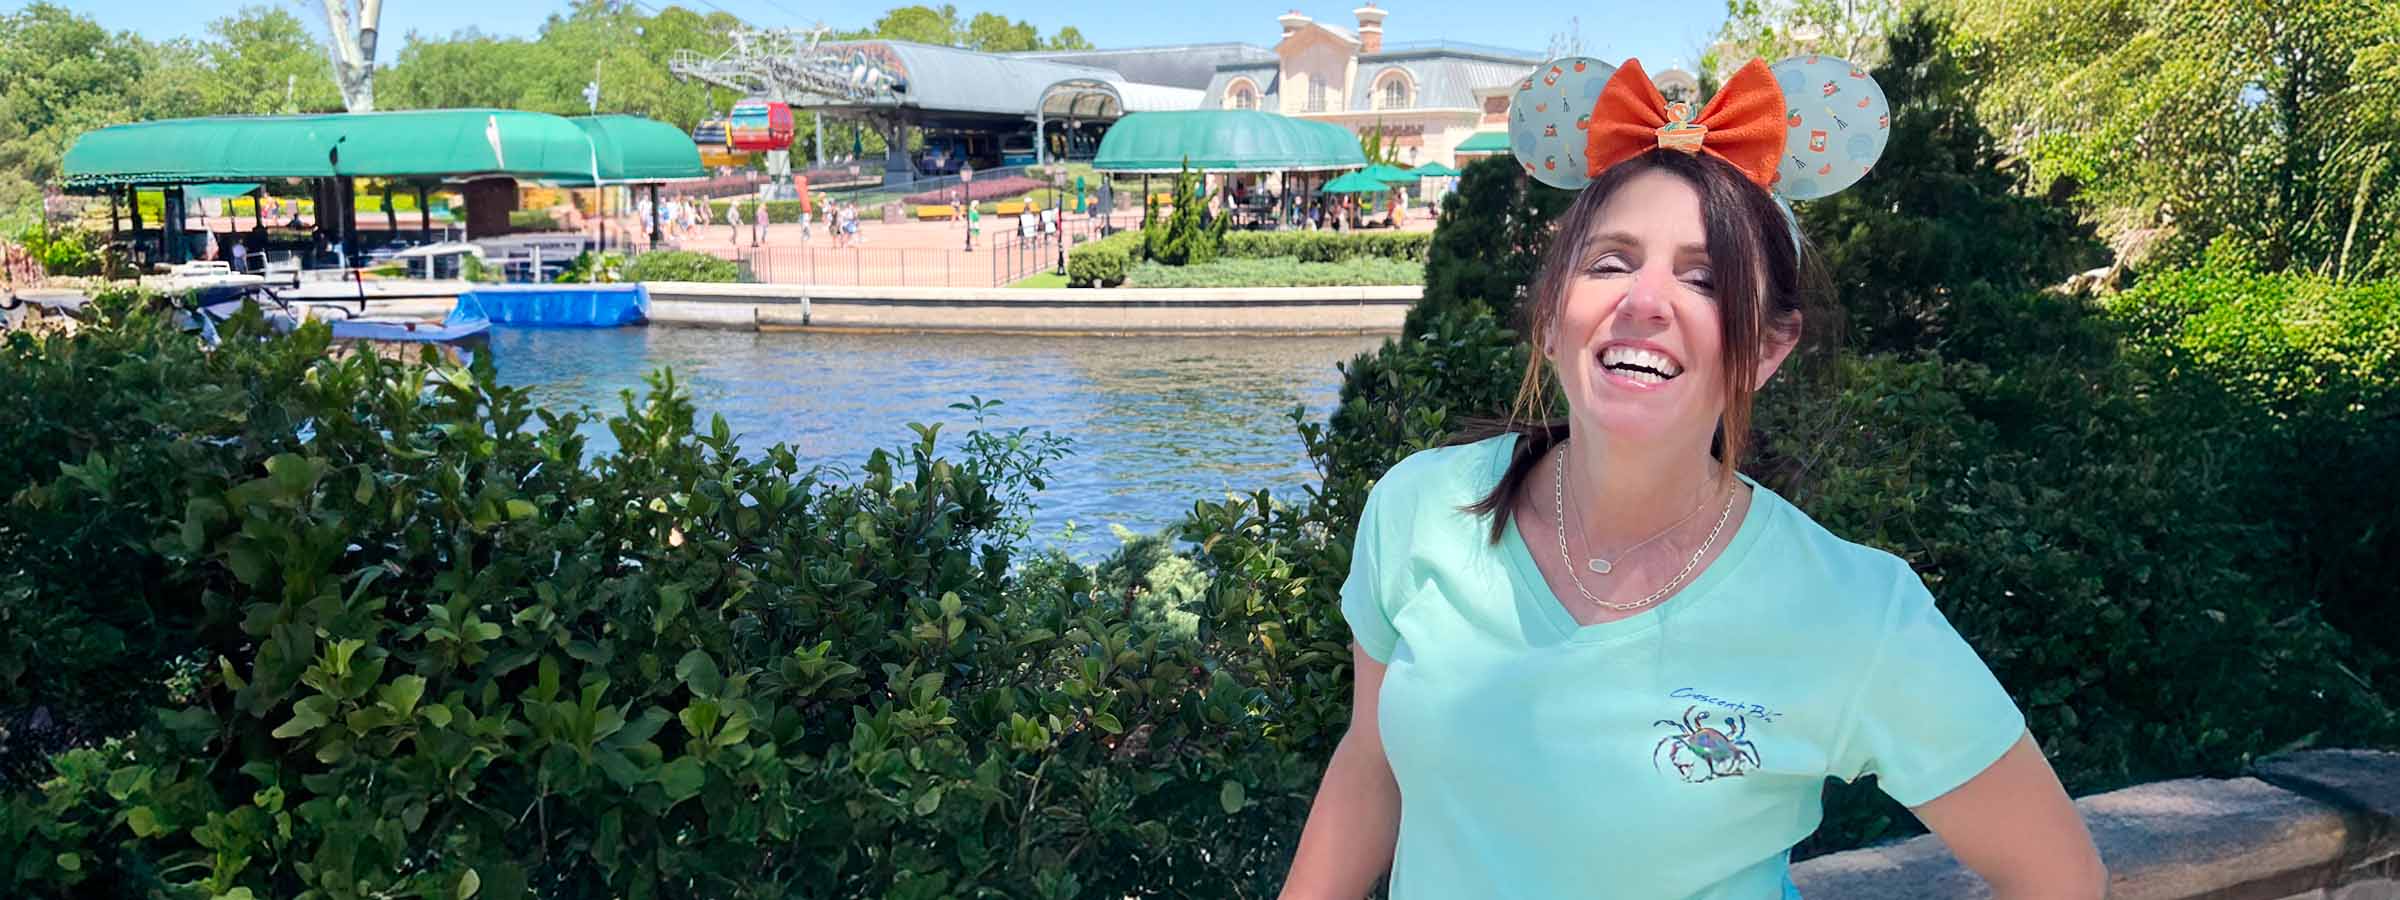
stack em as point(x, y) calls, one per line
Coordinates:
point(1700, 752)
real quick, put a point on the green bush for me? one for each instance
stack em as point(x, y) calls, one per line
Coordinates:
point(436, 642)
point(63, 251)
point(1328, 246)
point(2306, 372)
point(531, 220)
point(1276, 272)
point(680, 265)
point(1488, 243)
point(1104, 262)
point(590, 267)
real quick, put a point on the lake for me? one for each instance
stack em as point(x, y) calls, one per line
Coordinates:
point(1156, 423)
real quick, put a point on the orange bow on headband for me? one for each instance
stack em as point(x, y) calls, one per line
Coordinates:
point(1743, 124)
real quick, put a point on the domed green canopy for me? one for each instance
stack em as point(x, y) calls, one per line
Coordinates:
point(1225, 140)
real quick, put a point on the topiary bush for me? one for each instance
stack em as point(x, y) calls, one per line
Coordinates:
point(681, 265)
point(1104, 262)
point(1188, 234)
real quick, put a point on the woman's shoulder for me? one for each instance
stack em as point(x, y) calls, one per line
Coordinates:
point(1867, 580)
point(1457, 474)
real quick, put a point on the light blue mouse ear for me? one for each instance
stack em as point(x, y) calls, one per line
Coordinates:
point(1838, 123)
point(1548, 115)
point(1791, 220)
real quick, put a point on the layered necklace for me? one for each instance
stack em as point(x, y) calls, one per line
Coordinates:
point(1558, 494)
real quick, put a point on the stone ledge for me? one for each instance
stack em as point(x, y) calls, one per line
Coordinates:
point(695, 291)
point(2234, 839)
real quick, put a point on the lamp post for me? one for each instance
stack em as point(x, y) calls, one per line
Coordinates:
point(1058, 212)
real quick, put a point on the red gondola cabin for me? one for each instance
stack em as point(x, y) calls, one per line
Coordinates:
point(758, 125)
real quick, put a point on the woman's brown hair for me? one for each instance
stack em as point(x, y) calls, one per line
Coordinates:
point(1755, 260)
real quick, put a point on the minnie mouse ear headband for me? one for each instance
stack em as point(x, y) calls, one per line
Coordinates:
point(1805, 128)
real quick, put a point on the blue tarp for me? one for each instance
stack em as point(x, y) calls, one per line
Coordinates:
point(563, 305)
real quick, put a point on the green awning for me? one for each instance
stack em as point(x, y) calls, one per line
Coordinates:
point(1484, 142)
point(441, 143)
point(1225, 140)
point(1355, 183)
point(1433, 170)
point(633, 148)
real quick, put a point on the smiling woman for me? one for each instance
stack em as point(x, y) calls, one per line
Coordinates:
point(1522, 719)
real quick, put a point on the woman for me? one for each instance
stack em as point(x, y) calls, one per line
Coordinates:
point(1593, 660)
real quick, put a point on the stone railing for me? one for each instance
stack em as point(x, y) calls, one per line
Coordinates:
point(2317, 825)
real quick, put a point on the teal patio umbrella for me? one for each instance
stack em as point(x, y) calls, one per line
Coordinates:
point(1433, 170)
point(1389, 173)
point(1355, 183)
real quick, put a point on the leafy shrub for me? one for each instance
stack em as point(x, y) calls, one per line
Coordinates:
point(63, 251)
point(1275, 272)
point(1328, 246)
point(590, 267)
point(680, 265)
point(2307, 373)
point(1104, 262)
point(442, 645)
point(531, 220)
point(1488, 242)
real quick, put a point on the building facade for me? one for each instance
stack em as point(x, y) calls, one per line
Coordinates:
point(1427, 96)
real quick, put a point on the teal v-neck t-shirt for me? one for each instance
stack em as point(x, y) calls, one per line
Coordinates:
point(1677, 753)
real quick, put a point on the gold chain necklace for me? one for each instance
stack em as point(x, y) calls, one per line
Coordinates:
point(1558, 496)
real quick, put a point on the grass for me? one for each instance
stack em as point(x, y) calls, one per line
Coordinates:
point(1044, 280)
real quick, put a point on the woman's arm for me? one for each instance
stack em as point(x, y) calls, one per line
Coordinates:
point(1355, 821)
point(2015, 826)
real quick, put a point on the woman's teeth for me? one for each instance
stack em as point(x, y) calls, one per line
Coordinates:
point(1636, 364)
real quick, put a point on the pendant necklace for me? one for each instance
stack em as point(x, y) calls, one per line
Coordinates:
point(1597, 565)
point(1558, 496)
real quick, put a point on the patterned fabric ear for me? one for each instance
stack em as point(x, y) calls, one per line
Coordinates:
point(1549, 115)
point(1839, 124)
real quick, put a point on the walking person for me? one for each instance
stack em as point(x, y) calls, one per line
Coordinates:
point(1593, 659)
point(733, 220)
point(758, 228)
point(807, 212)
point(974, 225)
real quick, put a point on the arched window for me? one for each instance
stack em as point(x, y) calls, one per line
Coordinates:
point(1241, 95)
point(1391, 92)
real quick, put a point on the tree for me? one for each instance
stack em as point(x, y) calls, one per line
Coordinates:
point(264, 61)
point(2260, 133)
point(922, 24)
point(1068, 38)
point(1780, 29)
point(993, 33)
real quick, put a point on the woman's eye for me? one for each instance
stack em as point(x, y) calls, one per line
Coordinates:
point(1611, 264)
point(1700, 278)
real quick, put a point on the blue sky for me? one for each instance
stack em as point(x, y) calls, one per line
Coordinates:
point(1658, 32)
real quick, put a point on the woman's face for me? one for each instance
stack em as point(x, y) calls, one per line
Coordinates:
point(1637, 342)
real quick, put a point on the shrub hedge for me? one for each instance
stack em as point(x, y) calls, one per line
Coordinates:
point(1328, 246)
point(1276, 272)
point(681, 265)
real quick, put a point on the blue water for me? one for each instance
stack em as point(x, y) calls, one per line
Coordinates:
point(1156, 423)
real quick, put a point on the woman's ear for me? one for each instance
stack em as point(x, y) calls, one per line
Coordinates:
point(1778, 347)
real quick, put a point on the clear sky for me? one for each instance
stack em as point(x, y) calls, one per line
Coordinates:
point(1661, 32)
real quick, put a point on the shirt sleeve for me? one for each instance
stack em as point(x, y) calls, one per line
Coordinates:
point(1930, 716)
point(1364, 605)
